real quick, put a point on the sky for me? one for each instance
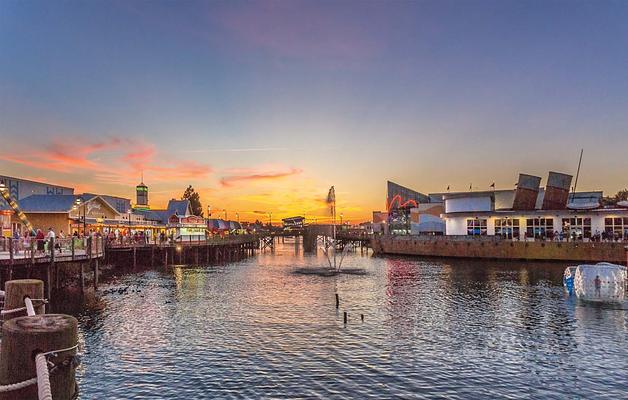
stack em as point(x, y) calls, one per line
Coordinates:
point(262, 106)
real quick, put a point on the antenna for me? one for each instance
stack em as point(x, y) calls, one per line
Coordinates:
point(575, 185)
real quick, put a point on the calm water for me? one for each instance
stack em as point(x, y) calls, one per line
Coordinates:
point(254, 329)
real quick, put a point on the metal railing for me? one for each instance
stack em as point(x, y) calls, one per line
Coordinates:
point(51, 248)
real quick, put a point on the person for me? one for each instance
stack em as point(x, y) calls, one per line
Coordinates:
point(598, 286)
point(51, 237)
point(26, 242)
point(39, 237)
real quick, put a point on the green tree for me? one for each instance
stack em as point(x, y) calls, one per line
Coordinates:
point(195, 201)
point(622, 195)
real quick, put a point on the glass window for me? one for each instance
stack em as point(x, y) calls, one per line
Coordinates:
point(615, 228)
point(540, 228)
point(507, 227)
point(477, 227)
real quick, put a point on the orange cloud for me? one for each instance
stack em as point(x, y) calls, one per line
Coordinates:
point(251, 175)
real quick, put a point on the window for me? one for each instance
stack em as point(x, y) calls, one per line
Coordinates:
point(507, 228)
point(477, 227)
point(577, 227)
point(616, 228)
point(539, 228)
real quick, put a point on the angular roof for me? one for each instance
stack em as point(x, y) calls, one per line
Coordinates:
point(47, 203)
point(179, 207)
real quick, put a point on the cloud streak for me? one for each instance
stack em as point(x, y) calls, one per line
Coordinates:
point(252, 175)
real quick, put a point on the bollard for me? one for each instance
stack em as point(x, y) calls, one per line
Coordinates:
point(337, 301)
point(23, 338)
point(362, 317)
point(17, 290)
point(345, 317)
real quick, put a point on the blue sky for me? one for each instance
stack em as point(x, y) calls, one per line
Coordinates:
point(266, 104)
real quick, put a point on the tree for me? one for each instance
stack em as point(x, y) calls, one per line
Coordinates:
point(622, 195)
point(195, 201)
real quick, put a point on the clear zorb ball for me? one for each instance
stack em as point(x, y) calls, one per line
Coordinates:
point(601, 282)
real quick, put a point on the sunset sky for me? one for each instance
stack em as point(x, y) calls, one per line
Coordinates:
point(261, 106)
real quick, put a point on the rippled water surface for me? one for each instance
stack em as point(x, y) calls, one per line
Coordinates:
point(432, 328)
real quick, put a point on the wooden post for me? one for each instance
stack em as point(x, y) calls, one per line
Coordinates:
point(10, 275)
point(152, 256)
point(49, 269)
point(24, 337)
point(165, 256)
point(32, 244)
point(72, 247)
point(337, 301)
point(95, 273)
point(345, 317)
point(82, 278)
point(134, 256)
point(17, 290)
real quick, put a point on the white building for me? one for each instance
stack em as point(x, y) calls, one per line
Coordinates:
point(478, 214)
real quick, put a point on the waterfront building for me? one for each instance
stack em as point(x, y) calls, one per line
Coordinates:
point(187, 227)
point(529, 212)
point(21, 188)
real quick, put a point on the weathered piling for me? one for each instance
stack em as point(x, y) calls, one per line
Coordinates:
point(17, 290)
point(25, 337)
point(345, 317)
point(337, 301)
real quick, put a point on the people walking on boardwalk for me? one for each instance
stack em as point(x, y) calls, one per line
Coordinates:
point(26, 242)
point(39, 237)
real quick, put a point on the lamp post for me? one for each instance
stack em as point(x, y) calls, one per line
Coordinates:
point(209, 211)
point(129, 215)
point(78, 203)
point(238, 217)
point(341, 215)
point(270, 221)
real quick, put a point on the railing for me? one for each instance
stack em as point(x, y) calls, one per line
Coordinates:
point(51, 248)
point(125, 241)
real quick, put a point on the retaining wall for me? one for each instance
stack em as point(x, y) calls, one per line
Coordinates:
point(495, 248)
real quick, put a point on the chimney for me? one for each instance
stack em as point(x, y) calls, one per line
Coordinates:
point(526, 192)
point(556, 191)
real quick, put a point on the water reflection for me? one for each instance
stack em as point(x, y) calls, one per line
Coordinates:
point(254, 329)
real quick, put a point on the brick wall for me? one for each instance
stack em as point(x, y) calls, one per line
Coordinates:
point(500, 249)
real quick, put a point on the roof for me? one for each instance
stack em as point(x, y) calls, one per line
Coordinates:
point(48, 203)
point(179, 207)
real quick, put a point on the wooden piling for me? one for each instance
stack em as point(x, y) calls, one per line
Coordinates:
point(17, 290)
point(23, 338)
point(10, 274)
point(345, 317)
point(95, 273)
point(82, 277)
point(134, 256)
point(337, 301)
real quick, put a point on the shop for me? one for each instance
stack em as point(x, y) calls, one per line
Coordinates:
point(187, 228)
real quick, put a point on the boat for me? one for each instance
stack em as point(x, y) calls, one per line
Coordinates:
point(601, 282)
point(623, 203)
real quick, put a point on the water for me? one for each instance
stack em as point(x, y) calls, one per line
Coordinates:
point(432, 328)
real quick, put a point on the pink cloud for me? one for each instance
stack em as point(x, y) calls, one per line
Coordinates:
point(261, 174)
point(113, 161)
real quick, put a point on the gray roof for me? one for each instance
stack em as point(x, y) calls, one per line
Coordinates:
point(47, 203)
point(179, 207)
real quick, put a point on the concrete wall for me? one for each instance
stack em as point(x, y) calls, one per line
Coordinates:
point(468, 204)
point(492, 248)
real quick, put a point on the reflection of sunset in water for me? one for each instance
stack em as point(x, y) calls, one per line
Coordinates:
point(255, 329)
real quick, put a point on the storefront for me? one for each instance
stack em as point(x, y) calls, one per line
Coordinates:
point(190, 228)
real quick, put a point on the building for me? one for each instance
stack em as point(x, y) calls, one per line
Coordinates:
point(534, 213)
point(399, 201)
point(293, 222)
point(141, 196)
point(19, 189)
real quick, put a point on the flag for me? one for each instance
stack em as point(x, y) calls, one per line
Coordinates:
point(448, 188)
point(470, 186)
point(493, 185)
point(331, 198)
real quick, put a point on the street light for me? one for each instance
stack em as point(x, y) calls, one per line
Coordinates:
point(209, 211)
point(341, 215)
point(238, 217)
point(78, 203)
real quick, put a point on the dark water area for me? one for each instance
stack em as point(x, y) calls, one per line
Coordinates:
point(433, 328)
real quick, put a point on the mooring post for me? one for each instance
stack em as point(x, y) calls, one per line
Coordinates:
point(337, 301)
point(345, 317)
point(23, 338)
point(17, 290)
